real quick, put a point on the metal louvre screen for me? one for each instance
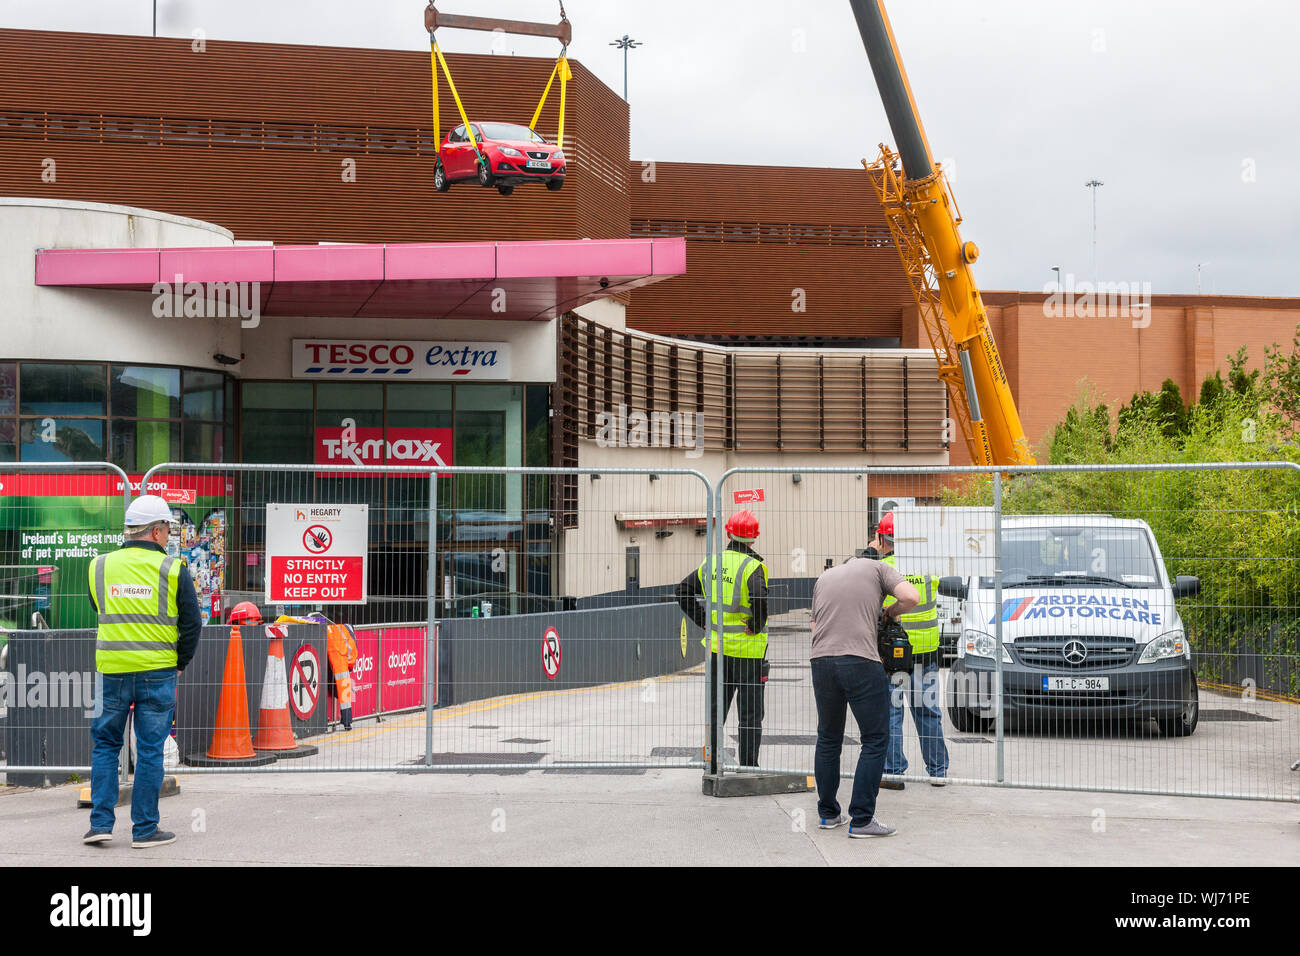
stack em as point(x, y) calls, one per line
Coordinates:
point(1098, 628)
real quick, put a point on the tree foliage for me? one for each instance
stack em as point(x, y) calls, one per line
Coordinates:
point(1238, 530)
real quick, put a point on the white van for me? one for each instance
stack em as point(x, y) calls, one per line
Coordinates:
point(1089, 628)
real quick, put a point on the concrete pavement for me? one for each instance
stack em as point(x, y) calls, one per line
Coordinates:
point(648, 818)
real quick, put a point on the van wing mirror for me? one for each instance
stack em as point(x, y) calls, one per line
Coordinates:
point(953, 586)
point(1187, 585)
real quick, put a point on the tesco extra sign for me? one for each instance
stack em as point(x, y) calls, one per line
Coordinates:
point(352, 359)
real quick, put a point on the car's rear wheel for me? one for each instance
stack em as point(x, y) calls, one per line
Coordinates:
point(440, 181)
point(1183, 723)
point(555, 185)
point(485, 177)
point(505, 190)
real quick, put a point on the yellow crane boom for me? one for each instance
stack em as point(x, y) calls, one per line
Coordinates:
point(923, 219)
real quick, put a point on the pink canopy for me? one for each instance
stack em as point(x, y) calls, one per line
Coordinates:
point(471, 280)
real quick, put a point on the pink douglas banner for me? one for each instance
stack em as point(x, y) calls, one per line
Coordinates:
point(389, 670)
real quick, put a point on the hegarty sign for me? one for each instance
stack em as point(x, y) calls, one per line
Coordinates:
point(424, 361)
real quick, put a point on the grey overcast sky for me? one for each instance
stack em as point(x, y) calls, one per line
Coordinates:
point(1185, 109)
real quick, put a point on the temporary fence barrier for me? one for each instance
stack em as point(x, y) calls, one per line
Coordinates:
point(55, 516)
point(1111, 628)
point(548, 637)
point(548, 593)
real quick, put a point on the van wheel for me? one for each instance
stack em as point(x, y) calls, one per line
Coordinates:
point(964, 719)
point(1183, 723)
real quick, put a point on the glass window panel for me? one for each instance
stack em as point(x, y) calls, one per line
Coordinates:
point(364, 404)
point(142, 392)
point(489, 431)
point(277, 395)
point(8, 439)
point(8, 388)
point(139, 445)
point(205, 442)
point(205, 396)
point(49, 389)
point(277, 436)
point(419, 406)
point(62, 439)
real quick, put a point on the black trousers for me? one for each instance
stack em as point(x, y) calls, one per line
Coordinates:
point(742, 676)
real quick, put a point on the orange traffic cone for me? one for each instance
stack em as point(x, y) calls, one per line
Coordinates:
point(232, 744)
point(274, 733)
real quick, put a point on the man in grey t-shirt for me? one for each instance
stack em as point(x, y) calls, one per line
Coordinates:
point(846, 672)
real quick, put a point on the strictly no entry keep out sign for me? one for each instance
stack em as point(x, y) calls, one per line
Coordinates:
point(316, 554)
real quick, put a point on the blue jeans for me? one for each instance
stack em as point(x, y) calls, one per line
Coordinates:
point(840, 683)
point(154, 696)
point(919, 690)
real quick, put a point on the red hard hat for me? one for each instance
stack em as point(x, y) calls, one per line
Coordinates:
point(886, 526)
point(245, 612)
point(743, 526)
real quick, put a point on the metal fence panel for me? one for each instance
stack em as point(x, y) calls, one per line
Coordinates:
point(508, 621)
point(1080, 656)
point(55, 517)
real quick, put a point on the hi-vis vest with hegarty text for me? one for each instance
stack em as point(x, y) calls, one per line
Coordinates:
point(731, 603)
point(921, 623)
point(135, 590)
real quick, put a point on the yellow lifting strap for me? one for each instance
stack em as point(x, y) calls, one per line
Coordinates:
point(565, 74)
point(435, 59)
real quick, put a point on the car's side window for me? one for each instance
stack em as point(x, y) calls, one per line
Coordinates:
point(457, 135)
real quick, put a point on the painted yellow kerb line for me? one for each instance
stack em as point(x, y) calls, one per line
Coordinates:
point(475, 707)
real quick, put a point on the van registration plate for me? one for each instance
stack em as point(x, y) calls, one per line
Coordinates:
point(1076, 683)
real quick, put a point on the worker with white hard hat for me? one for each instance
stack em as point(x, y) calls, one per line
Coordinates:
point(149, 626)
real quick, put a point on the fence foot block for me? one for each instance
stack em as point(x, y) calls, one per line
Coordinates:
point(753, 784)
point(170, 787)
point(302, 750)
point(203, 760)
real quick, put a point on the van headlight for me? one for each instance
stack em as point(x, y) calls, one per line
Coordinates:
point(979, 644)
point(1164, 647)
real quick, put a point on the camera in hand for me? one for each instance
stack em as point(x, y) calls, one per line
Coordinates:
point(895, 646)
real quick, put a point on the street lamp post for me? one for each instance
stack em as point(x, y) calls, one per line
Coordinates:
point(626, 43)
point(1093, 184)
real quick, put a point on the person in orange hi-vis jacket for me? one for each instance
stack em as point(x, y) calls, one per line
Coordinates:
point(343, 657)
point(342, 651)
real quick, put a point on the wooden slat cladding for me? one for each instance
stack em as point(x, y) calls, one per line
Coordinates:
point(253, 137)
point(770, 251)
point(747, 400)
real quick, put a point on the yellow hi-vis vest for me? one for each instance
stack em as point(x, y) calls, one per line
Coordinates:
point(136, 592)
point(921, 623)
point(731, 605)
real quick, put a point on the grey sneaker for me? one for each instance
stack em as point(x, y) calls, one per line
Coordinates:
point(873, 829)
point(97, 836)
point(157, 838)
point(827, 824)
point(938, 782)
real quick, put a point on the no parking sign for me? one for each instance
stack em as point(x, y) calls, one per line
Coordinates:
point(551, 653)
point(304, 682)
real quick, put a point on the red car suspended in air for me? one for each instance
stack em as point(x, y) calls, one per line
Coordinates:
point(512, 154)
